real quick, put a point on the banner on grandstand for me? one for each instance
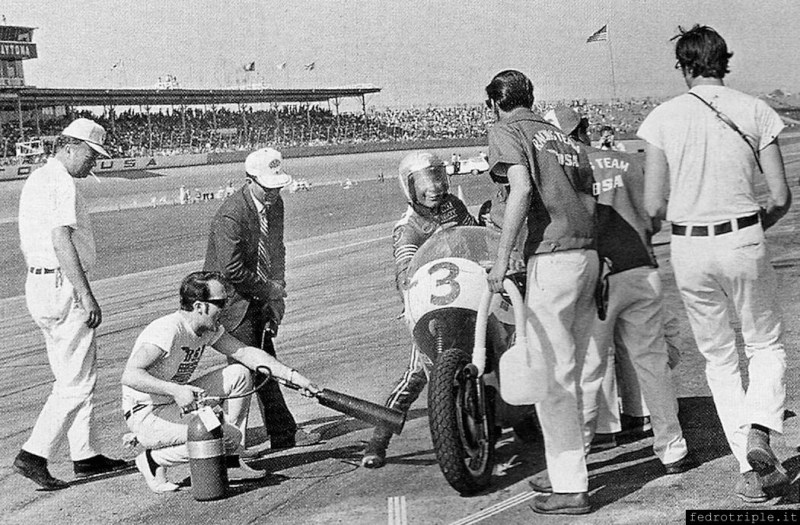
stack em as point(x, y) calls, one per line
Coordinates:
point(599, 36)
point(107, 166)
point(18, 50)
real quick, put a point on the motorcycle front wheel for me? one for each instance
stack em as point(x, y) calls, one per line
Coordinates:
point(461, 420)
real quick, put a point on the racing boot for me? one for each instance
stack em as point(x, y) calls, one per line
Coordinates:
point(375, 453)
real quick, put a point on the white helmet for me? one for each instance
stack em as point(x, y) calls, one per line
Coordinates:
point(421, 164)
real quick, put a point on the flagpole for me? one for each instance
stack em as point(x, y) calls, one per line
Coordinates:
point(611, 60)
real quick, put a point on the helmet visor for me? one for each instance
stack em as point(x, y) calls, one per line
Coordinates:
point(433, 178)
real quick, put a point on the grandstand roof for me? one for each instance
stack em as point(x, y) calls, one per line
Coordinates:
point(32, 97)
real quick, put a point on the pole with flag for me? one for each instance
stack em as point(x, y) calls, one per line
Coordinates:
point(602, 35)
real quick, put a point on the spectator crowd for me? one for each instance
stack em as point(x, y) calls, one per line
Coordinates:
point(202, 130)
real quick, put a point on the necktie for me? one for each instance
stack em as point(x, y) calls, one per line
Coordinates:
point(263, 254)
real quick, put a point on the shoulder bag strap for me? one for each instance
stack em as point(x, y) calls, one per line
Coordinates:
point(727, 120)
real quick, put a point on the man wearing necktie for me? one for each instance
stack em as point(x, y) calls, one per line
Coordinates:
point(245, 244)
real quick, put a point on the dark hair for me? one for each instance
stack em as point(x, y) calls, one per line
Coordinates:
point(702, 52)
point(607, 128)
point(510, 89)
point(194, 287)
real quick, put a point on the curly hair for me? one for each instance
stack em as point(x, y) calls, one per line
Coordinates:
point(510, 89)
point(702, 52)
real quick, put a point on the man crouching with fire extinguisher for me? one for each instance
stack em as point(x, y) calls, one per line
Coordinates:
point(158, 393)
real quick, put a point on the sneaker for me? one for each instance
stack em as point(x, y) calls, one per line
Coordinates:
point(34, 468)
point(562, 503)
point(687, 462)
point(374, 455)
point(760, 455)
point(244, 472)
point(156, 481)
point(97, 465)
point(749, 488)
point(301, 438)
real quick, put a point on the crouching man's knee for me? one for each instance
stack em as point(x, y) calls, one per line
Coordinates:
point(237, 379)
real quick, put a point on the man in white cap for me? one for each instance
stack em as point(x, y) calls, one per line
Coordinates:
point(246, 246)
point(58, 245)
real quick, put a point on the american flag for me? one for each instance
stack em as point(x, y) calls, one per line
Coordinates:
point(599, 35)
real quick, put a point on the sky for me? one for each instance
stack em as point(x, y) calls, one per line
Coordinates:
point(419, 52)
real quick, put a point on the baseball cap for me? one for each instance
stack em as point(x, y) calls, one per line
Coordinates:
point(88, 131)
point(265, 167)
point(564, 118)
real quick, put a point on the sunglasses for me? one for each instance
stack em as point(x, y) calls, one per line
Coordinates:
point(219, 303)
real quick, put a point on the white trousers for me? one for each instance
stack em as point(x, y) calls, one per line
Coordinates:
point(621, 392)
point(164, 429)
point(71, 352)
point(560, 299)
point(713, 273)
point(634, 330)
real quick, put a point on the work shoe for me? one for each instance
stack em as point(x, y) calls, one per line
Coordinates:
point(34, 468)
point(687, 462)
point(635, 426)
point(540, 482)
point(241, 471)
point(603, 442)
point(374, 455)
point(156, 481)
point(96, 465)
point(562, 503)
point(749, 488)
point(760, 455)
point(300, 438)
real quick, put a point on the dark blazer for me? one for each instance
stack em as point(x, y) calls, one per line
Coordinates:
point(233, 251)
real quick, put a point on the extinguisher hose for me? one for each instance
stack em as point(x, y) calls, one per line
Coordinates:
point(264, 370)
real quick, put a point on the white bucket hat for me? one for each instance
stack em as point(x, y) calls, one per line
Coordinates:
point(88, 131)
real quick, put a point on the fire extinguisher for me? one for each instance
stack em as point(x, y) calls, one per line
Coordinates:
point(206, 459)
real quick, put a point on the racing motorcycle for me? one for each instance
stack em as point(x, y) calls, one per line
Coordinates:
point(484, 376)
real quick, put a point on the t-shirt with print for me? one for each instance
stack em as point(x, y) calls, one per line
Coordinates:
point(182, 352)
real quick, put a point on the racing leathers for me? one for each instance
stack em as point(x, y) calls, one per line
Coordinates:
point(416, 226)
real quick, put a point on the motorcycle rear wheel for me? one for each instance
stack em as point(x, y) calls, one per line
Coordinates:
point(463, 442)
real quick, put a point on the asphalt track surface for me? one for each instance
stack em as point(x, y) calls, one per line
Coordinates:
point(341, 330)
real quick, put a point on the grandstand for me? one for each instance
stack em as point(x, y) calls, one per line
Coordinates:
point(29, 115)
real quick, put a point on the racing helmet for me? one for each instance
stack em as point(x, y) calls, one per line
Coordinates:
point(418, 165)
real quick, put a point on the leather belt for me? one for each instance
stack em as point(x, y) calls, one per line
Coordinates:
point(720, 228)
point(132, 411)
point(40, 271)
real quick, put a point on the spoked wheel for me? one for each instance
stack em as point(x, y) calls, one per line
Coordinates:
point(461, 423)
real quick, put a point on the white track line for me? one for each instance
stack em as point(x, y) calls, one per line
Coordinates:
point(343, 247)
point(495, 509)
point(396, 507)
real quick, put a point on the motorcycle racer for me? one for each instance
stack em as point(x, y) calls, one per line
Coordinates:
point(431, 207)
